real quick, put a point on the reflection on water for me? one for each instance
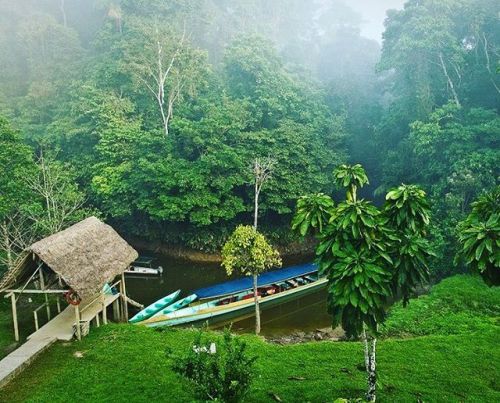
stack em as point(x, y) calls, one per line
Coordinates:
point(305, 314)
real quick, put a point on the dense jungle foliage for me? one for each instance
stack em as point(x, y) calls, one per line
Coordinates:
point(149, 113)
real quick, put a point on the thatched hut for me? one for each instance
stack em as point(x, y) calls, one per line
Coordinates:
point(81, 259)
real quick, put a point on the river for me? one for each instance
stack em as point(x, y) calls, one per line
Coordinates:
point(304, 314)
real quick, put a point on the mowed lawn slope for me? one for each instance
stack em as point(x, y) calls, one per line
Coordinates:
point(133, 363)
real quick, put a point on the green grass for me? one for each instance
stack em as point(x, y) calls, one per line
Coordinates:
point(457, 305)
point(129, 363)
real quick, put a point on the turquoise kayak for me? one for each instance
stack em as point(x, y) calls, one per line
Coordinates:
point(177, 305)
point(155, 307)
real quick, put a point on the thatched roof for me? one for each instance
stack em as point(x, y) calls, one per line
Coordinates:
point(86, 256)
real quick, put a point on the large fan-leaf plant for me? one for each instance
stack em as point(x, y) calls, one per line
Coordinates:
point(479, 235)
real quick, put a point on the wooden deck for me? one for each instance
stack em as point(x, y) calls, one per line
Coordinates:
point(60, 327)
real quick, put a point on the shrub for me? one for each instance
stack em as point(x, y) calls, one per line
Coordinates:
point(224, 375)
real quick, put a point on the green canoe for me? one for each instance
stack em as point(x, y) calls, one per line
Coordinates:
point(177, 305)
point(155, 307)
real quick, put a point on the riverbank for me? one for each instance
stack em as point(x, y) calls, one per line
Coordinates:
point(294, 251)
point(455, 357)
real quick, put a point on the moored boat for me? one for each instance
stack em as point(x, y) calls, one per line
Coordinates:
point(235, 298)
point(143, 266)
point(155, 307)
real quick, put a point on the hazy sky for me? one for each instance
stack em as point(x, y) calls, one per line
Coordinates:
point(373, 12)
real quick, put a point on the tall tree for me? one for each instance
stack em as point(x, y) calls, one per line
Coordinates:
point(16, 160)
point(262, 171)
point(163, 63)
point(369, 256)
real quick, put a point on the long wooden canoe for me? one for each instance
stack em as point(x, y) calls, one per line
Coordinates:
point(214, 309)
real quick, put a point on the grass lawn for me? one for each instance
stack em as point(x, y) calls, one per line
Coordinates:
point(129, 363)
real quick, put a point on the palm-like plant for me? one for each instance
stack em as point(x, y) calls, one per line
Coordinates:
point(313, 212)
point(352, 177)
point(479, 235)
point(407, 212)
point(407, 208)
point(368, 255)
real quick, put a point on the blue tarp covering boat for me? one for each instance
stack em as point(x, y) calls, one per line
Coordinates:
point(245, 283)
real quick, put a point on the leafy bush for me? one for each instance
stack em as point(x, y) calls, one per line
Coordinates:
point(224, 375)
point(457, 305)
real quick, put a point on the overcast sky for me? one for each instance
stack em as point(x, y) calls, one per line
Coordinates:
point(373, 12)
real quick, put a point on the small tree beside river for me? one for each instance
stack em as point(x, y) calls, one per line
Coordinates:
point(248, 252)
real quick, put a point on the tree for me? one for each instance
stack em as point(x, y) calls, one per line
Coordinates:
point(479, 237)
point(262, 170)
point(164, 63)
point(368, 256)
point(60, 202)
point(16, 160)
point(248, 252)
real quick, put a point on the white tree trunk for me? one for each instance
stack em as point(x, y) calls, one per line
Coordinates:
point(371, 366)
point(256, 207)
point(448, 78)
point(257, 308)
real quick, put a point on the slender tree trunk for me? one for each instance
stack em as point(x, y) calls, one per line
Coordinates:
point(448, 78)
point(257, 308)
point(488, 67)
point(7, 246)
point(63, 12)
point(370, 343)
point(256, 207)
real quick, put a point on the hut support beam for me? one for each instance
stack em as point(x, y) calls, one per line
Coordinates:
point(124, 298)
point(42, 286)
point(77, 318)
point(116, 311)
point(104, 313)
point(14, 316)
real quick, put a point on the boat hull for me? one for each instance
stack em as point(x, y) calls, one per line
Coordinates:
point(224, 312)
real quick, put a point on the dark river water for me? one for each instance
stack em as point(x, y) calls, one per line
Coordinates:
point(304, 314)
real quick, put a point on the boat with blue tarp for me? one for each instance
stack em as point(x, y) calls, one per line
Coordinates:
point(235, 297)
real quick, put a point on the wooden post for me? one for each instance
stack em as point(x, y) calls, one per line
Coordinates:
point(35, 314)
point(104, 313)
point(14, 315)
point(42, 287)
point(77, 317)
point(116, 310)
point(97, 320)
point(124, 299)
point(58, 305)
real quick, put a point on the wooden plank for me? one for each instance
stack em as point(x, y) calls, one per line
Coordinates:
point(34, 292)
